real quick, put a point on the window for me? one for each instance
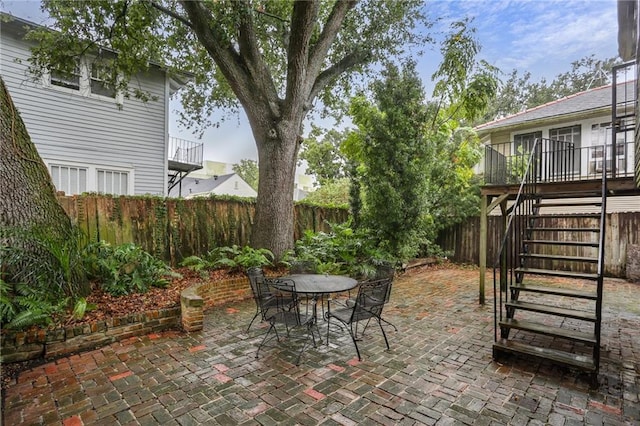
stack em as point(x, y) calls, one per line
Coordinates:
point(601, 136)
point(113, 182)
point(98, 80)
point(523, 143)
point(76, 178)
point(69, 81)
point(89, 78)
point(565, 149)
point(71, 180)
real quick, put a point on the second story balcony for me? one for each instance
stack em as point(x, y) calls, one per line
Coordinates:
point(558, 161)
point(184, 155)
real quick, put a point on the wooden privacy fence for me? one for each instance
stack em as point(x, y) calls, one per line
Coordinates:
point(622, 230)
point(172, 229)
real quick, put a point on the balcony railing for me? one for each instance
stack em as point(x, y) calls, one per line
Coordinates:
point(184, 155)
point(558, 161)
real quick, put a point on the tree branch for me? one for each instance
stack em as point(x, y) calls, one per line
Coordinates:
point(253, 59)
point(329, 32)
point(211, 36)
point(303, 18)
point(351, 60)
point(171, 13)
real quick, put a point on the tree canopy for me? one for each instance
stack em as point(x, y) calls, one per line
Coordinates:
point(413, 159)
point(275, 59)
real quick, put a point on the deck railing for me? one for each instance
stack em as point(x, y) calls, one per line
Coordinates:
point(185, 152)
point(558, 161)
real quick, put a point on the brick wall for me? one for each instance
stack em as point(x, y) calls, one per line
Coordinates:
point(194, 300)
point(52, 343)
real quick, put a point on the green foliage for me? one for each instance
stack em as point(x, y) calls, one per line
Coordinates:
point(464, 86)
point(42, 276)
point(81, 307)
point(41, 259)
point(331, 194)
point(125, 269)
point(322, 153)
point(390, 146)
point(23, 306)
point(412, 161)
point(234, 258)
point(341, 251)
point(250, 257)
point(196, 263)
point(248, 171)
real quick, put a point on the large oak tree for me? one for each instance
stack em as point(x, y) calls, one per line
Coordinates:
point(274, 59)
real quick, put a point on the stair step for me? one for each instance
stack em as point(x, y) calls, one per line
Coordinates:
point(569, 204)
point(567, 274)
point(572, 360)
point(564, 216)
point(543, 229)
point(564, 243)
point(560, 257)
point(534, 327)
point(552, 310)
point(558, 291)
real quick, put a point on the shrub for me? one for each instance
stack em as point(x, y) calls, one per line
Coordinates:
point(233, 257)
point(125, 269)
point(341, 251)
point(42, 275)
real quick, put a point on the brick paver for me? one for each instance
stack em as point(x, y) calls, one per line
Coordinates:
point(439, 372)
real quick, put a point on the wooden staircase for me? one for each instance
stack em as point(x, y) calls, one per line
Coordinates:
point(548, 279)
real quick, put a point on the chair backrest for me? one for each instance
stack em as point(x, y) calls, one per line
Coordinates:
point(259, 286)
point(287, 306)
point(372, 296)
point(385, 270)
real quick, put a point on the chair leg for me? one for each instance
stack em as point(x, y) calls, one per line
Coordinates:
point(381, 319)
point(265, 339)
point(355, 343)
point(252, 320)
point(383, 333)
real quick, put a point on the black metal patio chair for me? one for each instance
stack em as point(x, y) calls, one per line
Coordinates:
point(286, 312)
point(368, 305)
point(383, 271)
point(262, 295)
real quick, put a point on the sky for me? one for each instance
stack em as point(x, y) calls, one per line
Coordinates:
point(541, 36)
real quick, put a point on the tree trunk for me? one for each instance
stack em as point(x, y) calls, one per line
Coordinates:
point(274, 222)
point(27, 195)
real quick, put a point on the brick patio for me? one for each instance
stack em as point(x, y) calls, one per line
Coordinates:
point(439, 371)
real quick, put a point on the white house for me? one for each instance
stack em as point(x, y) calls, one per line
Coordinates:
point(576, 135)
point(229, 184)
point(91, 139)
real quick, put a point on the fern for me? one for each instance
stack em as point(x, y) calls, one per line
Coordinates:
point(81, 307)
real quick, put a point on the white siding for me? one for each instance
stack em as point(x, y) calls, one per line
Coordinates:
point(619, 204)
point(68, 127)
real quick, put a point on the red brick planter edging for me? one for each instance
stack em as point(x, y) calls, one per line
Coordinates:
point(53, 343)
point(194, 300)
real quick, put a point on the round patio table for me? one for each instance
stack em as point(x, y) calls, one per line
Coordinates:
point(320, 283)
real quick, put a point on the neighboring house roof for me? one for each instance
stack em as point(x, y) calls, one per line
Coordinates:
point(198, 186)
point(579, 104)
